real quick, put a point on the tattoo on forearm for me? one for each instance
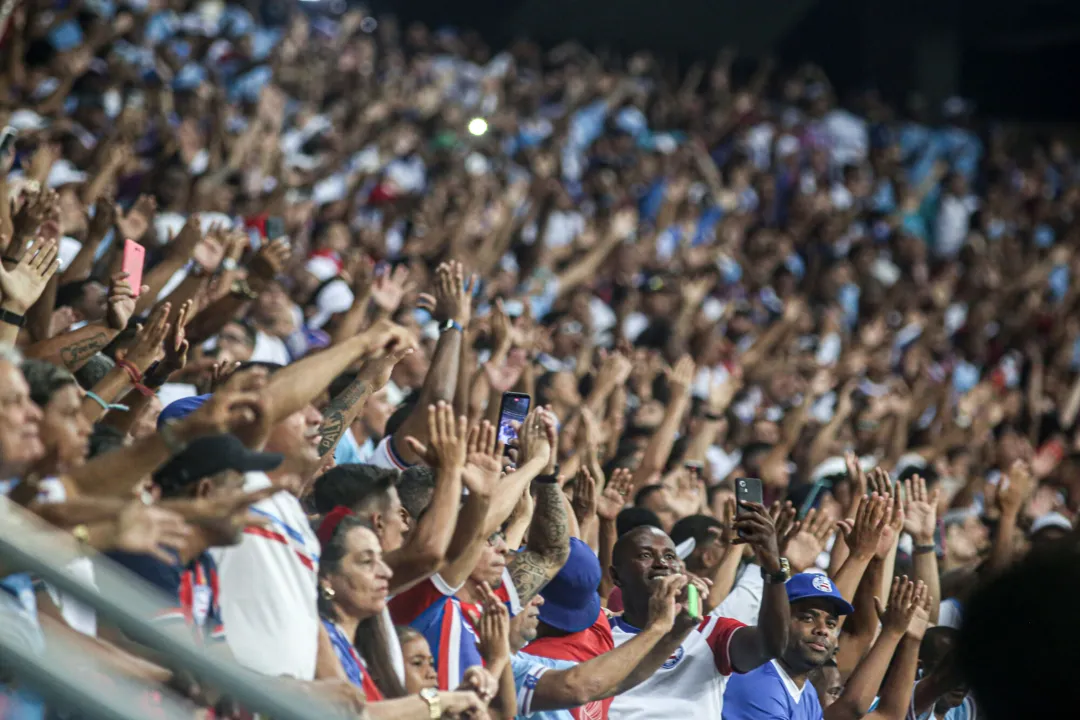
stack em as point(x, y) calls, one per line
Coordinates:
point(78, 352)
point(339, 415)
point(548, 544)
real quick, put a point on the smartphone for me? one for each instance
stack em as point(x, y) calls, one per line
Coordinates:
point(514, 408)
point(7, 142)
point(275, 227)
point(693, 601)
point(134, 255)
point(747, 490)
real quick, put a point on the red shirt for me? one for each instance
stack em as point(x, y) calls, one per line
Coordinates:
point(581, 646)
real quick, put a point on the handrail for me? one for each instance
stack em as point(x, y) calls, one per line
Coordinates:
point(126, 600)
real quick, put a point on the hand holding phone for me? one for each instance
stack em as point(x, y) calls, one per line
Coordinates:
point(132, 264)
point(513, 410)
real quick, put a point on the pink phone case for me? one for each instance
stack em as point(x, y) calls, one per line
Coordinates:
point(134, 255)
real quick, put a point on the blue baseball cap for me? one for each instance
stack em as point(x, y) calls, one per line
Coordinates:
point(571, 602)
point(179, 409)
point(817, 585)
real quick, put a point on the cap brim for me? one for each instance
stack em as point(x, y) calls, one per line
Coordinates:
point(685, 548)
point(261, 462)
point(842, 606)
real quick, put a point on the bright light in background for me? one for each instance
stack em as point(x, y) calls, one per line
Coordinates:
point(478, 126)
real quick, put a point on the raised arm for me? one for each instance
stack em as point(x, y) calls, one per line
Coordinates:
point(895, 699)
point(548, 543)
point(905, 601)
point(920, 521)
point(346, 405)
point(449, 439)
point(453, 305)
point(659, 446)
point(751, 647)
point(631, 663)
point(298, 384)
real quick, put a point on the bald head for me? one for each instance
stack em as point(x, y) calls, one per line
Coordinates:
point(639, 559)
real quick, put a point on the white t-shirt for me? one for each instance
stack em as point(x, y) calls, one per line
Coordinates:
point(269, 588)
point(689, 685)
point(953, 222)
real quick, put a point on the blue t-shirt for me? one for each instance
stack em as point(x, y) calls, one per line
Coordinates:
point(767, 693)
point(527, 671)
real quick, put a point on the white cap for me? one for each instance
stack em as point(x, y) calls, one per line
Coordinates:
point(335, 297)
point(686, 547)
point(1050, 520)
point(64, 172)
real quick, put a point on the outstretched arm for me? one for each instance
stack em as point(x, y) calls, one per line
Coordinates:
point(454, 303)
point(548, 544)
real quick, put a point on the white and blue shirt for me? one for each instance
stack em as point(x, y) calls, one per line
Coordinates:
point(769, 693)
point(527, 672)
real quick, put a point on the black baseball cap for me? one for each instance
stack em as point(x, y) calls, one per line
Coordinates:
point(210, 455)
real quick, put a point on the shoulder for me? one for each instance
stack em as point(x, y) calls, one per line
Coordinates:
point(405, 607)
point(549, 663)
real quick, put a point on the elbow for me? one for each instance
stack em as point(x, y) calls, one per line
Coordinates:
point(583, 690)
point(429, 555)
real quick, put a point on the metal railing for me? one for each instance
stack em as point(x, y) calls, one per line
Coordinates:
point(27, 544)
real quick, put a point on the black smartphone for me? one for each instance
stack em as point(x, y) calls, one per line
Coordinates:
point(514, 408)
point(747, 490)
point(275, 227)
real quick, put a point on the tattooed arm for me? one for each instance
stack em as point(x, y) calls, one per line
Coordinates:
point(548, 544)
point(340, 413)
point(72, 350)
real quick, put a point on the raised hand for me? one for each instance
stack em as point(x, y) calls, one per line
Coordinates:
point(493, 631)
point(23, 284)
point(447, 444)
point(681, 377)
point(121, 302)
point(225, 515)
point(239, 406)
point(864, 534)
point(505, 376)
point(453, 294)
point(376, 370)
point(35, 210)
point(134, 224)
point(270, 260)
point(104, 217)
point(613, 499)
point(585, 501)
point(176, 343)
point(533, 439)
point(903, 601)
point(857, 477)
point(920, 510)
point(148, 347)
point(803, 547)
point(1012, 494)
point(783, 517)
point(483, 460)
point(389, 289)
point(754, 527)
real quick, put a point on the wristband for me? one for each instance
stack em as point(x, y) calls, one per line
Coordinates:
point(104, 405)
point(136, 377)
point(921, 549)
point(6, 316)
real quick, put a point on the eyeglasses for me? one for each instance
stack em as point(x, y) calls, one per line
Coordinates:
point(495, 537)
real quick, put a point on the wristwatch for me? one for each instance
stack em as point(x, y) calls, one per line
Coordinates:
point(781, 576)
point(431, 697)
point(451, 325)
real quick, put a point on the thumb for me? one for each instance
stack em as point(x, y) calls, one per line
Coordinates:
point(879, 607)
point(418, 447)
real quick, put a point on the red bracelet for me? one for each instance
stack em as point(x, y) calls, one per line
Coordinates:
point(136, 377)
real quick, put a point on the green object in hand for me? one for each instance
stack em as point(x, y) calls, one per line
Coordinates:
point(693, 601)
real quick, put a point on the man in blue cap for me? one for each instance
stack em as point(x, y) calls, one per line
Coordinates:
point(779, 688)
point(572, 625)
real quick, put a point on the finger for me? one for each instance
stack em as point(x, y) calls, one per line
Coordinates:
point(417, 447)
point(473, 444)
point(879, 607)
point(433, 424)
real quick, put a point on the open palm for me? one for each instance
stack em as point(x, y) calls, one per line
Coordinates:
point(24, 283)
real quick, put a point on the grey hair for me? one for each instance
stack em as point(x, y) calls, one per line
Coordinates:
point(11, 354)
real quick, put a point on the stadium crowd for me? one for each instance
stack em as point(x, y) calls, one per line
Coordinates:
point(444, 382)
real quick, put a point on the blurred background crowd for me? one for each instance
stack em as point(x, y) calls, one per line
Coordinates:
point(279, 283)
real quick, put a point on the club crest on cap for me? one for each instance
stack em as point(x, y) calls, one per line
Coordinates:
point(822, 583)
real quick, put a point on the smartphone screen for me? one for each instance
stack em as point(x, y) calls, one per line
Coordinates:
point(134, 255)
point(514, 408)
point(275, 227)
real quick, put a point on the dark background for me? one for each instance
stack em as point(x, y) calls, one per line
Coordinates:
point(1017, 60)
